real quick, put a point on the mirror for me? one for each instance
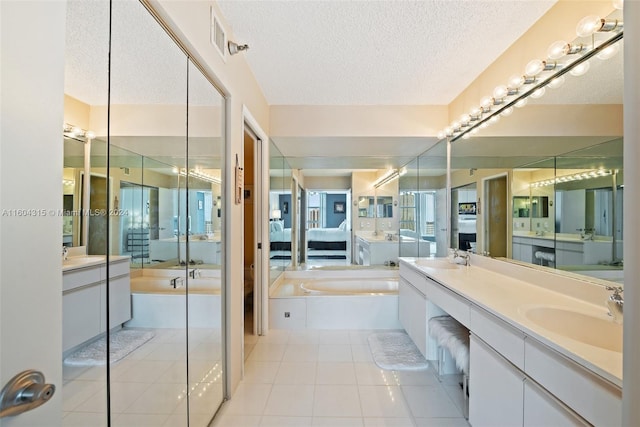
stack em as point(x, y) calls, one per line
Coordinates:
point(384, 207)
point(159, 177)
point(71, 191)
point(280, 213)
point(366, 206)
point(423, 204)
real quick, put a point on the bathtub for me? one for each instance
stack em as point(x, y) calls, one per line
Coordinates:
point(156, 304)
point(349, 286)
point(349, 299)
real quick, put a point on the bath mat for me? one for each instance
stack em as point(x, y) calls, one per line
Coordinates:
point(121, 342)
point(395, 351)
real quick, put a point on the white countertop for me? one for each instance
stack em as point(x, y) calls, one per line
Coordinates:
point(507, 297)
point(83, 261)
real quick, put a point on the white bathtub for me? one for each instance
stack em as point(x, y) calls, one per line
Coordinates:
point(362, 299)
point(350, 286)
point(156, 304)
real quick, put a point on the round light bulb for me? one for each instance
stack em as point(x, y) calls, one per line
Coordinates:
point(588, 25)
point(534, 67)
point(580, 69)
point(90, 134)
point(484, 125)
point(521, 103)
point(608, 52)
point(441, 135)
point(538, 93)
point(500, 92)
point(466, 136)
point(448, 131)
point(507, 112)
point(455, 126)
point(475, 113)
point(465, 119)
point(494, 119)
point(474, 131)
point(558, 49)
point(556, 82)
point(516, 82)
point(486, 102)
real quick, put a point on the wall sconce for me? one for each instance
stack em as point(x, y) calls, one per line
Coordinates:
point(236, 48)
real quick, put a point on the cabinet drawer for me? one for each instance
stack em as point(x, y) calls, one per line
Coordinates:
point(542, 409)
point(455, 305)
point(118, 268)
point(597, 401)
point(504, 338)
point(80, 277)
point(416, 279)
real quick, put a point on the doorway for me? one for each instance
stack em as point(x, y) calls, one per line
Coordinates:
point(495, 201)
point(255, 185)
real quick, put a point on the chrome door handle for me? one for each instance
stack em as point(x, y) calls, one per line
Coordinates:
point(24, 392)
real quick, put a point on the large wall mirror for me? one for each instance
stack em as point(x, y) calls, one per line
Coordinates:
point(564, 174)
point(280, 213)
point(149, 153)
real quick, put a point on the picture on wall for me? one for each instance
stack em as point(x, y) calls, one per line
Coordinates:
point(285, 207)
point(338, 207)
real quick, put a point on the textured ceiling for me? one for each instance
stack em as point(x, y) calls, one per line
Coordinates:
point(374, 52)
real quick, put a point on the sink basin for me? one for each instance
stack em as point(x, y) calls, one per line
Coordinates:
point(589, 329)
point(439, 264)
point(79, 260)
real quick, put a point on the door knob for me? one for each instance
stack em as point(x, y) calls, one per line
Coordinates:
point(24, 392)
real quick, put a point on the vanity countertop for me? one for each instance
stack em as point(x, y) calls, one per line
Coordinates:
point(562, 237)
point(83, 261)
point(378, 238)
point(509, 296)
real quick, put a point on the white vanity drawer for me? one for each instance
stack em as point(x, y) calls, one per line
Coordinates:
point(597, 401)
point(118, 268)
point(80, 277)
point(455, 305)
point(504, 338)
point(417, 280)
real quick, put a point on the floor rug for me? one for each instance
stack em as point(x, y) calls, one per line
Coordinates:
point(121, 343)
point(395, 351)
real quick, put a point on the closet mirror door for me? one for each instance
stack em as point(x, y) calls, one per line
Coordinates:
point(204, 242)
point(148, 115)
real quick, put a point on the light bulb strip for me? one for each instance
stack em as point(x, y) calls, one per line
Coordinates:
point(459, 133)
point(193, 173)
point(387, 177)
point(75, 132)
point(597, 173)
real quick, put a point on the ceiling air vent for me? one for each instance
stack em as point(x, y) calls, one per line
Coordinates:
point(218, 36)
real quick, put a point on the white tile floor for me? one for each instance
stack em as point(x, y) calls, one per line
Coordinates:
point(148, 387)
point(328, 378)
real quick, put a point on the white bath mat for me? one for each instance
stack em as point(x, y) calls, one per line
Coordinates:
point(121, 343)
point(395, 351)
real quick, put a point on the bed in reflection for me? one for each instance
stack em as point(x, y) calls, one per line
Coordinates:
point(280, 240)
point(330, 243)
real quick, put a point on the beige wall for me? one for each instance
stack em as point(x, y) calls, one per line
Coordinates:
point(557, 24)
point(372, 121)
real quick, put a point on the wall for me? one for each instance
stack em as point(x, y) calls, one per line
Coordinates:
point(333, 219)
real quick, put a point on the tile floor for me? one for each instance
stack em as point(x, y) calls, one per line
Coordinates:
point(328, 378)
point(148, 387)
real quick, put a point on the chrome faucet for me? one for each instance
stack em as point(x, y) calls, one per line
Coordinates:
point(615, 303)
point(176, 282)
point(466, 256)
point(195, 273)
point(65, 253)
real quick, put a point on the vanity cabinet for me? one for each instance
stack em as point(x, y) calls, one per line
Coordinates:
point(84, 301)
point(496, 396)
point(375, 251)
point(515, 379)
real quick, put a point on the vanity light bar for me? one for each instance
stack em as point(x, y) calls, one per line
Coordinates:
point(75, 132)
point(538, 74)
point(194, 173)
point(389, 176)
point(574, 177)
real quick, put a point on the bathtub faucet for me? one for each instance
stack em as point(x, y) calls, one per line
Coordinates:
point(195, 273)
point(176, 282)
